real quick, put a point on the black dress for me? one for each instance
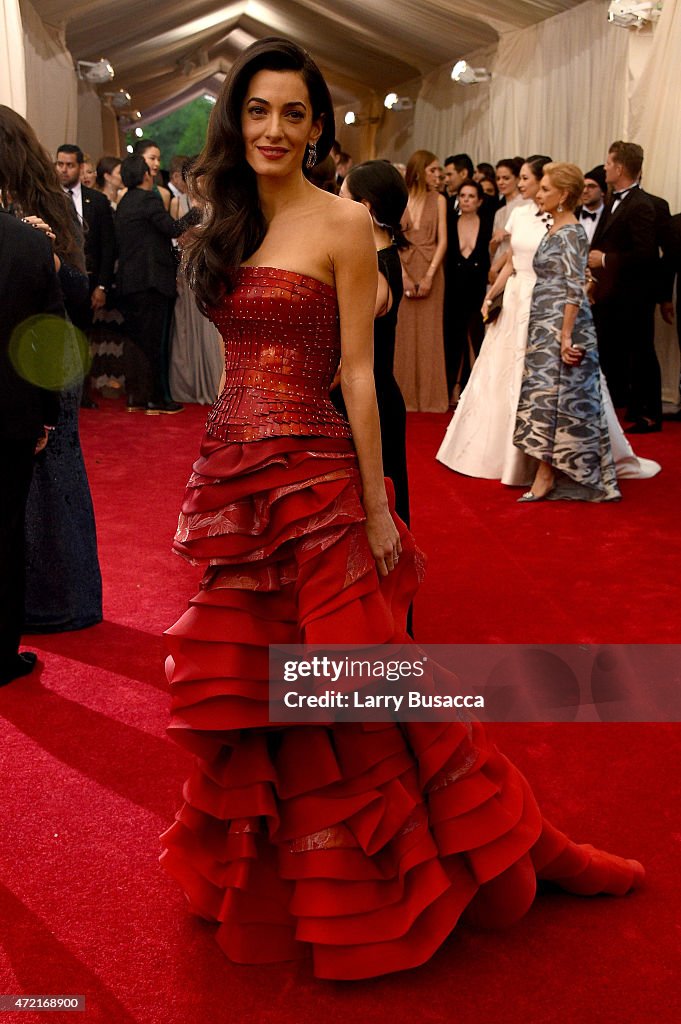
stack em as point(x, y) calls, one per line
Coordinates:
point(391, 408)
point(63, 579)
point(465, 286)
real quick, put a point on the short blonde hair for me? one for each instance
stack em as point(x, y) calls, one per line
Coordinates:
point(568, 178)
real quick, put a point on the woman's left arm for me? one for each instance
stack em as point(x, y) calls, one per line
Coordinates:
point(426, 282)
point(573, 258)
point(356, 277)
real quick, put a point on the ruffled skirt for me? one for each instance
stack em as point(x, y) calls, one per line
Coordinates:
point(358, 844)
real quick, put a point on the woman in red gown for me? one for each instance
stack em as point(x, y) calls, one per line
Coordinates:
point(358, 844)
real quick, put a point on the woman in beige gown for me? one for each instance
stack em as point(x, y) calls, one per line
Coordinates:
point(419, 350)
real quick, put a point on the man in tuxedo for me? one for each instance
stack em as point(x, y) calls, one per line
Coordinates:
point(146, 283)
point(458, 169)
point(28, 288)
point(623, 261)
point(94, 215)
point(590, 211)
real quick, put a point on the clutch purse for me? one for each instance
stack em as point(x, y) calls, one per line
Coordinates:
point(494, 309)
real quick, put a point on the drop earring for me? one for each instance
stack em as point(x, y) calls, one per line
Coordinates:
point(312, 155)
point(559, 208)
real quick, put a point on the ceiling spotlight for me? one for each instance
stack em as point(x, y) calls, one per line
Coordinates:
point(128, 148)
point(98, 72)
point(139, 132)
point(629, 14)
point(350, 117)
point(464, 74)
point(397, 103)
point(120, 100)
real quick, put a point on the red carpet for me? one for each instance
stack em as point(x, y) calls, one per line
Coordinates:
point(90, 779)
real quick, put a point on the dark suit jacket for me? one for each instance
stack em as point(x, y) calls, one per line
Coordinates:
point(665, 270)
point(100, 239)
point(628, 238)
point(143, 233)
point(28, 286)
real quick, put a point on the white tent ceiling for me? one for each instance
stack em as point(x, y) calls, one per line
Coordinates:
point(162, 50)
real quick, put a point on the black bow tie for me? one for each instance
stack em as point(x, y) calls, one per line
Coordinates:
point(586, 215)
point(622, 194)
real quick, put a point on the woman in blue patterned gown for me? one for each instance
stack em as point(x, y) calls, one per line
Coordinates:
point(561, 419)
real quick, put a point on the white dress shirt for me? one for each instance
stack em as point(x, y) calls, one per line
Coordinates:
point(588, 223)
point(77, 197)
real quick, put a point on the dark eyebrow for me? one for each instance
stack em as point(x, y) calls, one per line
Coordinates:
point(291, 103)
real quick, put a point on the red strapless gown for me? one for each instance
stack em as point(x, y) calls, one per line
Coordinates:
point(360, 845)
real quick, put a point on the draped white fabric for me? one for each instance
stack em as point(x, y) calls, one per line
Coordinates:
point(12, 71)
point(656, 111)
point(559, 87)
point(51, 84)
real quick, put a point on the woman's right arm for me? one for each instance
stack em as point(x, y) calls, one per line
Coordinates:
point(355, 273)
point(499, 282)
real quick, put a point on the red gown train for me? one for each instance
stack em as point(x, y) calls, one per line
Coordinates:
point(360, 845)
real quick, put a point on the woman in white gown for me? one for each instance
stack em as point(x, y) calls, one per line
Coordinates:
point(479, 439)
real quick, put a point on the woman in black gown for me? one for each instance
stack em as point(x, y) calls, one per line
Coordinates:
point(467, 268)
point(380, 187)
point(63, 579)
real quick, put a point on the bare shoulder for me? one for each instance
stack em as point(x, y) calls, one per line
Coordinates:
point(349, 224)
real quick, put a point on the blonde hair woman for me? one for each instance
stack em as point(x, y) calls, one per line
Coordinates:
point(419, 352)
point(561, 419)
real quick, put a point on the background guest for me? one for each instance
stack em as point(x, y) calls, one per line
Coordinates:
point(381, 188)
point(466, 268)
point(146, 281)
point(152, 154)
point(561, 418)
point(108, 179)
point(458, 169)
point(592, 203)
point(507, 172)
point(63, 579)
point(419, 352)
point(623, 260)
point(196, 350)
point(88, 173)
point(28, 287)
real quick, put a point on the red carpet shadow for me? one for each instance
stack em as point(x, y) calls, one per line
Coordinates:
point(132, 653)
point(44, 966)
point(116, 756)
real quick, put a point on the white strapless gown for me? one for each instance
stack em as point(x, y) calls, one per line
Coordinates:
point(479, 439)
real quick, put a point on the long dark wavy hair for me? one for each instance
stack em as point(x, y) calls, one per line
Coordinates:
point(385, 190)
point(28, 174)
point(223, 180)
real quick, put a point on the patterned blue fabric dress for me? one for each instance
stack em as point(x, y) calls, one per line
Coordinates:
point(561, 419)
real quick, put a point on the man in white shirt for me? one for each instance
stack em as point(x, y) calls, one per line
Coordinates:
point(593, 201)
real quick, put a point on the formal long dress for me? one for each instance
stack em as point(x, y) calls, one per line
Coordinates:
point(359, 845)
point(391, 408)
point(561, 418)
point(196, 356)
point(419, 351)
point(63, 578)
point(465, 286)
point(479, 438)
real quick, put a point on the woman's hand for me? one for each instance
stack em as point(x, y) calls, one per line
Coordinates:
point(41, 442)
point(423, 288)
point(570, 355)
point(37, 222)
point(410, 289)
point(384, 540)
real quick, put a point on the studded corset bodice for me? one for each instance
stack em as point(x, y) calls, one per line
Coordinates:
point(282, 349)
